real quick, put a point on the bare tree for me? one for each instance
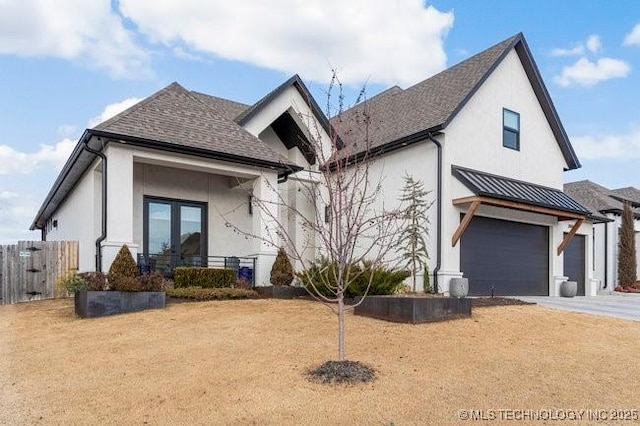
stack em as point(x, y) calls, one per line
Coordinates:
point(349, 225)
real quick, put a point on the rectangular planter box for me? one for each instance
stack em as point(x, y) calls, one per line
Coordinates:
point(91, 304)
point(414, 310)
point(281, 292)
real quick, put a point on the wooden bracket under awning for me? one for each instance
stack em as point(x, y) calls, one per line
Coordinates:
point(475, 202)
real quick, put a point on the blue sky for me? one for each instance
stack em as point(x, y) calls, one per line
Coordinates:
point(67, 64)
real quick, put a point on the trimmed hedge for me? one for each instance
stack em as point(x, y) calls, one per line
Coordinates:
point(204, 277)
point(198, 293)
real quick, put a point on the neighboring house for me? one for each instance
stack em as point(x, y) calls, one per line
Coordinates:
point(607, 204)
point(483, 135)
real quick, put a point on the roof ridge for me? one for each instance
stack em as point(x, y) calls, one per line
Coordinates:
point(137, 105)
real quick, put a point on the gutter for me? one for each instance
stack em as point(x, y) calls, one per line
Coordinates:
point(103, 235)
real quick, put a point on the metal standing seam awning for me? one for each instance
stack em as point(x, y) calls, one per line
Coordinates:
point(509, 193)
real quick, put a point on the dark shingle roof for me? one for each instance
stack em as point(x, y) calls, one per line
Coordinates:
point(629, 194)
point(599, 199)
point(433, 103)
point(175, 116)
point(227, 108)
point(494, 186)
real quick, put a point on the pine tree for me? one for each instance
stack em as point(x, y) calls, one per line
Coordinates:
point(627, 249)
point(281, 271)
point(412, 242)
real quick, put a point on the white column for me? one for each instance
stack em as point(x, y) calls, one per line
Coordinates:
point(119, 203)
point(265, 225)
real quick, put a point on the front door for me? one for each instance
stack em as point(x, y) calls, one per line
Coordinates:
point(175, 233)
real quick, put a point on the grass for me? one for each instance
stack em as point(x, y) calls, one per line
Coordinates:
point(244, 362)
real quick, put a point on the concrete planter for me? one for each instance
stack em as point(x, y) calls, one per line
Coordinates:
point(92, 304)
point(459, 287)
point(414, 310)
point(281, 292)
point(568, 289)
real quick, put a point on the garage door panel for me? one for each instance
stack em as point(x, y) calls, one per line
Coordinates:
point(512, 257)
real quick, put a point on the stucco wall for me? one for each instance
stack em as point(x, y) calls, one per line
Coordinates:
point(78, 218)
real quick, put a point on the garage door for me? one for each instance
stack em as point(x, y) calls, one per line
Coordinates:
point(512, 257)
point(574, 262)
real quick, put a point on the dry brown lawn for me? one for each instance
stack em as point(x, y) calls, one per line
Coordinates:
point(242, 362)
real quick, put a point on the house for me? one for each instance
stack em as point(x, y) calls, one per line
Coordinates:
point(483, 136)
point(607, 204)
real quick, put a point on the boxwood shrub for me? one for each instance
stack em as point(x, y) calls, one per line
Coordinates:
point(203, 277)
point(198, 293)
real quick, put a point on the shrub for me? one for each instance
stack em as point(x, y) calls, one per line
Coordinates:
point(123, 265)
point(203, 277)
point(281, 271)
point(121, 283)
point(242, 283)
point(384, 281)
point(72, 282)
point(96, 281)
point(198, 293)
point(153, 281)
point(627, 249)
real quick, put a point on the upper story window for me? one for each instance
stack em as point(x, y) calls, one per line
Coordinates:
point(510, 129)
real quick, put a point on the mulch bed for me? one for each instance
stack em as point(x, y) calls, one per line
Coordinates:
point(343, 372)
point(482, 302)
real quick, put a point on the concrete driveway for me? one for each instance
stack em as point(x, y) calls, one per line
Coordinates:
point(626, 306)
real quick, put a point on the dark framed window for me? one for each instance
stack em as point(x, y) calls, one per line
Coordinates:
point(510, 129)
point(175, 230)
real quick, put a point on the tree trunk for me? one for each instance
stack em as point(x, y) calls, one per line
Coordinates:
point(340, 327)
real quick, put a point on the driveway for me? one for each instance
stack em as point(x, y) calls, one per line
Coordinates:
point(626, 306)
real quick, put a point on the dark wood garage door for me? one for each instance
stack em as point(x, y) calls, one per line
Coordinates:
point(512, 257)
point(574, 262)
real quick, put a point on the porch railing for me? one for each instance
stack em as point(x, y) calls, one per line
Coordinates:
point(244, 267)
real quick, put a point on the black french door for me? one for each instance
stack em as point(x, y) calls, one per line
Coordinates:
point(175, 232)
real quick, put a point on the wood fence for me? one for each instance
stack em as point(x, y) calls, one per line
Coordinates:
point(29, 270)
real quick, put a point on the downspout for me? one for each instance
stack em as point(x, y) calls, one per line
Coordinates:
point(103, 235)
point(438, 214)
point(606, 255)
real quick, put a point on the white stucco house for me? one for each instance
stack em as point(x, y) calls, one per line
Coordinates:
point(606, 204)
point(483, 136)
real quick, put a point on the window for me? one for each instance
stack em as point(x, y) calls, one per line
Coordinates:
point(510, 129)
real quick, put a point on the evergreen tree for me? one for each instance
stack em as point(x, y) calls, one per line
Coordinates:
point(627, 249)
point(412, 240)
point(281, 271)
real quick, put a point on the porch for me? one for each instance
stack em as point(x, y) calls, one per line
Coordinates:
point(244, 267)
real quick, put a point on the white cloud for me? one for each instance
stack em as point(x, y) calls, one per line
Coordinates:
point(633, 38)
point(86, 31)
point(620, 146)
point(387, 42)
point(17, 162)
point(112, 110)
point(587, 73)
point(16, 213)
point(593, 43)
point(574, 51)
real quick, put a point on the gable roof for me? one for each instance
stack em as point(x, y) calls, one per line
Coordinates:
point(429, 106)
point(296, 82)
point(595, 197)
point(176, 117)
